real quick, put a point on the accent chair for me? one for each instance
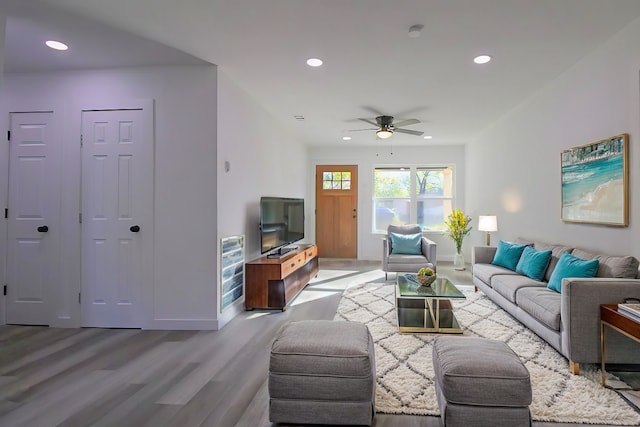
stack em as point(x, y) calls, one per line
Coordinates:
point(409, 253)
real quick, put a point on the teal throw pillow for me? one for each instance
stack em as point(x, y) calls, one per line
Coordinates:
point(406, 244)
point(533, 263)
point(571, 266)
point(507, 255)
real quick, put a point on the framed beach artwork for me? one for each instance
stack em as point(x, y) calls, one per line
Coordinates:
point(595, 182)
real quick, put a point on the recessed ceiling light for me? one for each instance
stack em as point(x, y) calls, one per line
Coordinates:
point(346, 138)
point(482, 59)
point(314, 62)
point(56, 45)
point(428, 137)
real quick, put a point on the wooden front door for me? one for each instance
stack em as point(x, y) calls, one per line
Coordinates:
point(336, 211)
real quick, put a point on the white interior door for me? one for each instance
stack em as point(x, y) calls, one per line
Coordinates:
point(117, 211)
point(33, 218)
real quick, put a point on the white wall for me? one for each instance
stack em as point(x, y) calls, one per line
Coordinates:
point(4, 154)
point(367, 158)
point(514, 166)
point(185, 204)
point(264, 161)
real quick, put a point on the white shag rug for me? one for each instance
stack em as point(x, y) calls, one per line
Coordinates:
point(405, 372)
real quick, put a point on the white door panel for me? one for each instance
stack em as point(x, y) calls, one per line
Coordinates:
point(34, 194)
point(117, 194)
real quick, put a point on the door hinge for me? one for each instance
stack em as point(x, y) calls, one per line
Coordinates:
point(6, 213)
point(80, 217)
point(81, 141)
point(5, 289)
point(79, 298)
point(8, 135)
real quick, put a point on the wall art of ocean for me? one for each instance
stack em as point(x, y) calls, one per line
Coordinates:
point(580, 181)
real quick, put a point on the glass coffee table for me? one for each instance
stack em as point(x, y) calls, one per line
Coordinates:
point(426, 308)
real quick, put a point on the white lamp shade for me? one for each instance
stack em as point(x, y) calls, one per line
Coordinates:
point(488, 223)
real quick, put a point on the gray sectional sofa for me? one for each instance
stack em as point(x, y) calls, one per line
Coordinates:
point(570, 320)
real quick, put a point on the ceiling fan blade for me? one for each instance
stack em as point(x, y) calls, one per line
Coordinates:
point(373, 110)
point(409, 131)
point(371, 122)
point(407, 122)
point(358, 130)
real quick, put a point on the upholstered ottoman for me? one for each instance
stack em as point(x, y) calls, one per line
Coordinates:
point(480, 382)
point(322, 372)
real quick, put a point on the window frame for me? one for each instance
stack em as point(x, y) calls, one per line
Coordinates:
point(413, 197)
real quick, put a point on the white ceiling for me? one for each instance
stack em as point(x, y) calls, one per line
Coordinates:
point(371, 65)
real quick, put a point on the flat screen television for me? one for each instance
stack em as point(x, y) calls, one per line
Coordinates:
point(281, 223)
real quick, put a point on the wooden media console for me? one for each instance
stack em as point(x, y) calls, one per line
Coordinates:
point(274, 282)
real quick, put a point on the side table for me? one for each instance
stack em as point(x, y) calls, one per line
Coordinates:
point(611, 317)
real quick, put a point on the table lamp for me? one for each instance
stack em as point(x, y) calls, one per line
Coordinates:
point(488, 223)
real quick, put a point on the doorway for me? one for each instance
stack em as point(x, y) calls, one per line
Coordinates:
point(117, 217)
point(336, 211)
point(33, 218)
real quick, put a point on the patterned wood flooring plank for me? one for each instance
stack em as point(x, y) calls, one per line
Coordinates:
point(140, 406)
point(53, 408)
point(94, 411)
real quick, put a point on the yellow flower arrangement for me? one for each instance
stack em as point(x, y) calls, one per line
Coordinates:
point(458, 227)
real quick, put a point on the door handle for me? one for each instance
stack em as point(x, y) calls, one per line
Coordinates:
point(134, 228)
point(43, 229)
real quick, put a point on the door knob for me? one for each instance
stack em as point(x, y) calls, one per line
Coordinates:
point(134, 228)
point(43, 229)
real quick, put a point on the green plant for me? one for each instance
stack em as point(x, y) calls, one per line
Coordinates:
point(458, 227)
point(426, 272)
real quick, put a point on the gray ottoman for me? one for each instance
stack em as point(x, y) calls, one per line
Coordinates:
point(322, 372)
point(480, 382)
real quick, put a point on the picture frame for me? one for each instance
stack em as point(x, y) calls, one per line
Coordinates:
point(231, 270)
point(595, 182)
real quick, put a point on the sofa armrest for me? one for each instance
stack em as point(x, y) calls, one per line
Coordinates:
point(482, 254)
point(580, 313)
point(429, 250)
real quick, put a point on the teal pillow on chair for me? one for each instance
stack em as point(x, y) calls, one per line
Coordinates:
point(507, 255)
point(533, 263)
point(571, 266)
point(406, 244)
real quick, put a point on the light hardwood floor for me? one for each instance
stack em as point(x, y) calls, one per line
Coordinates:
point(109, 377)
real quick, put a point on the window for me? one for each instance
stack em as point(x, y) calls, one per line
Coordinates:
point(412, 195)
point(336, 180)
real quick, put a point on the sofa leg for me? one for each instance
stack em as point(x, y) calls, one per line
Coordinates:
point(386, 276)
point(574, 367)
point(475, 289)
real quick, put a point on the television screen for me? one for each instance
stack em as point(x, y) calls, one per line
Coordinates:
point(281, 222)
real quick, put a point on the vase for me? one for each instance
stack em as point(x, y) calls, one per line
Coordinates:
point(458, 261)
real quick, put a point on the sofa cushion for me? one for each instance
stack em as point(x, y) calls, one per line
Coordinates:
point(485, 272)
point(407, 259)
point(406, 244)
point(556, 253)
point(625, 267)
point(508, 285)
point(542, 304)
point(571, 266)
point(533, 263)
point(508, 254)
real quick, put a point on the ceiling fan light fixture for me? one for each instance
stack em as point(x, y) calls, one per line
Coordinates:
point(384, 133)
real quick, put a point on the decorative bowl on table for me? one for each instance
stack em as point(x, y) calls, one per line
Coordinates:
point(425, 280)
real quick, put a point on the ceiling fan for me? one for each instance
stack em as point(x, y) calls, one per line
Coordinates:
point(385, 127)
